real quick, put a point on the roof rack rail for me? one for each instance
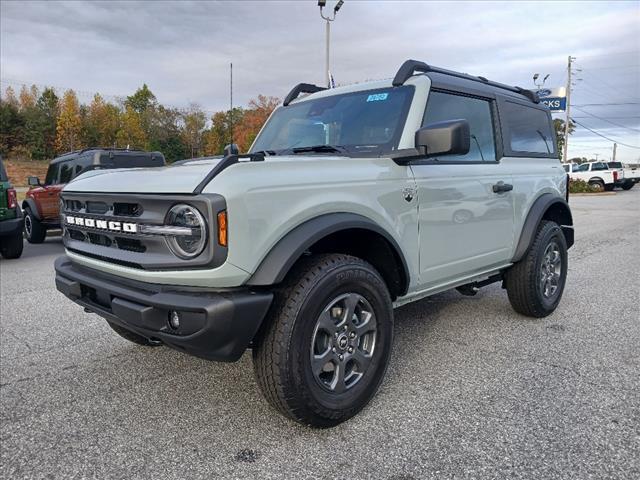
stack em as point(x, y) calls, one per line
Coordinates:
point(301, 88)
point(410, 67)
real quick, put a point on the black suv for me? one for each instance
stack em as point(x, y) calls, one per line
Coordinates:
point(41, 209)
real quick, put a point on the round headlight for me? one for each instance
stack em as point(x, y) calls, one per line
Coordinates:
point(188, 245)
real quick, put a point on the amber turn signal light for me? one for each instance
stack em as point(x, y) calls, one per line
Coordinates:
point(222, 228)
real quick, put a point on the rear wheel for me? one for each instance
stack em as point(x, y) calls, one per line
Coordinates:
point(327, 341)
point(628, 185)
point(134, 337)
point(11, 247)
point(535, 283)
point(33, 228)
point(597, 185)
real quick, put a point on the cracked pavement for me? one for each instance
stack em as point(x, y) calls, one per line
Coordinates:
point(473, 390)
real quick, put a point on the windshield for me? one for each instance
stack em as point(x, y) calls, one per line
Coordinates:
point(358, 122)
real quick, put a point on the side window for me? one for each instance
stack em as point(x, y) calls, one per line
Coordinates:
point(52, 174)
point(567, 168)
point(445, 106)
point(66, 171)
point(529, 130)
point(599, 166)
point(82, 164)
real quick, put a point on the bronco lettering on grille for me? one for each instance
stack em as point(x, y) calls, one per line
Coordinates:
point(112, 226)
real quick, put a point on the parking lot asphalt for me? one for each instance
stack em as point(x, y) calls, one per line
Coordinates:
point(473, 390)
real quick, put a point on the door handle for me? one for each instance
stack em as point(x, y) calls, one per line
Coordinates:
point(502, 187)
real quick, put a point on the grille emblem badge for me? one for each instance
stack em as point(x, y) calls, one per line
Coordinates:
point(112, 226)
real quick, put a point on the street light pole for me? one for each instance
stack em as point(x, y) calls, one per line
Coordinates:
point(328, 19)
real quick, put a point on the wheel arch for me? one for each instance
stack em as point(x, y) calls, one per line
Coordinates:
point(597, 179)
point(347, 233)
point(546, 207)
point(33, 206)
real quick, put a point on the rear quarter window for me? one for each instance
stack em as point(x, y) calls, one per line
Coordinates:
point(528, 131)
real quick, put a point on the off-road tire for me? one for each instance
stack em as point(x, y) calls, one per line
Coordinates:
point(282, 355)
point(627, 185)
point(33, 228)
point(523, 279)
point(11, 247)
point(134, 337)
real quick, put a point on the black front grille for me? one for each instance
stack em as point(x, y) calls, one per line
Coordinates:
point(130, 244)
point(99, 208)
point(99, 239)
point(127, 209)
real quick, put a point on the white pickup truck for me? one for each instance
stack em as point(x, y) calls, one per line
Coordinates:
point(597, 174)
point(630, 176)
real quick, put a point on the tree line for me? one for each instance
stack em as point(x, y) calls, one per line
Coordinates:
point(39, 125)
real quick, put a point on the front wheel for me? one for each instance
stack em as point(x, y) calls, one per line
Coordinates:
point(535, 283)
point(33, 228)
point(327, 341)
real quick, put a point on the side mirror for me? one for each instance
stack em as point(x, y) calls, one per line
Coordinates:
point(444, 138)
point(33, 181)
point(231, 149)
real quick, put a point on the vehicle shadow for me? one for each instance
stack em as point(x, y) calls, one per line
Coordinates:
point(51, 246)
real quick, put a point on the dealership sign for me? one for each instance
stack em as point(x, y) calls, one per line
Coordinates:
point(554, 98)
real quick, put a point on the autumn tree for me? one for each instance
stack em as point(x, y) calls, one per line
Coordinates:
point(195, 122)
point(10, 98)
point(131, 134)
point(102, 123)
point(224, 127)
point(69, 126)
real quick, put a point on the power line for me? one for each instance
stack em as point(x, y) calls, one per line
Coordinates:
point(604, 119)
point(605, 104)
point(604, 136)
point(629, 116)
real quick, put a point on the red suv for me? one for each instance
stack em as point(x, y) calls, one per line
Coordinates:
point(41, 205)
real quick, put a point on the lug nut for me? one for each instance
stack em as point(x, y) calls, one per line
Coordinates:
point(335, 334)
point(352, 335)
point(333, 349)
point(344, 328)
point(341, 357)
point(350, 349)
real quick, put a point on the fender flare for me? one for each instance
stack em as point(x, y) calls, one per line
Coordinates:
point(597, 179)
point(535, 215)
point(277, 263)
point(29, 202)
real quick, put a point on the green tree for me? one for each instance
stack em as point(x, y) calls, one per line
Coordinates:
point(142, 100)
point(558, 125)
point(11, 126)
point(165, 133)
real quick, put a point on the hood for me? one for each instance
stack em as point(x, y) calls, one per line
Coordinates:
point(177, 178)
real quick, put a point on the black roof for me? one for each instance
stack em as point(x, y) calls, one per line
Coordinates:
point(75, 153)
point(442, 77)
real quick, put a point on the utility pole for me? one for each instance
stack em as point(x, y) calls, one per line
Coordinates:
point(328, 19)
point(615, 148)
point(568, 111)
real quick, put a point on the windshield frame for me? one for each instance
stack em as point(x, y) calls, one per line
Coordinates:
point(381, 150)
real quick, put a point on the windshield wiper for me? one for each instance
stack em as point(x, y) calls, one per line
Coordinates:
point(320, 149)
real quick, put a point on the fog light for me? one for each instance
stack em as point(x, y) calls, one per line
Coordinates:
point(174, 319)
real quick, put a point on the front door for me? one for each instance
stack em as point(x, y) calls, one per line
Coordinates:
point(466, 210)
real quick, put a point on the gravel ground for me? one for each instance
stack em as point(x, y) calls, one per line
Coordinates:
point(473, 391)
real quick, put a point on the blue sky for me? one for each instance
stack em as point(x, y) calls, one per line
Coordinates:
point(182, 50)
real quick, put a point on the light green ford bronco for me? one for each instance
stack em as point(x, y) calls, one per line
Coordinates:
point(352, 201)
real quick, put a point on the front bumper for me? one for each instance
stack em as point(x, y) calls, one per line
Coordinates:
point(11, 227)
point(216, 325)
